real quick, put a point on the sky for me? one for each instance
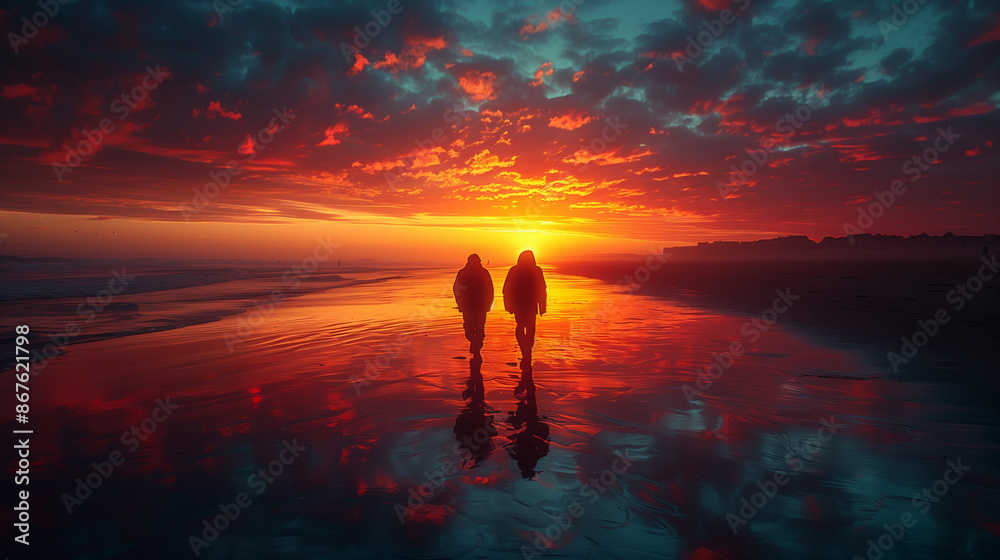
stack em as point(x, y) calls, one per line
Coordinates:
point(411, 130)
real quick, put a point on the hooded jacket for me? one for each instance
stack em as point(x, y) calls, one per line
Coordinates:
point(473, 287)
point(524, 288)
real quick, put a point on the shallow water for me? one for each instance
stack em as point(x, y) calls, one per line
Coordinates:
point(599, 453)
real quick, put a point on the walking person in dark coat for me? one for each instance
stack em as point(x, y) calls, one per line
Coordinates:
point(474, 294)
point(524, 296)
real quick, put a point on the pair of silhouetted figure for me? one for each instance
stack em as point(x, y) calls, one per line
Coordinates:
point(523, 295)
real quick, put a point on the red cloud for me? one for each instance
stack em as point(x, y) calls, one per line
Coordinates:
point(215, 110)
point(344, 109)
point(330, 139)
point(809, 46)
point(861, 155)
point(484, 162)
point(975, 109)
point(543, 70)
point(478, 85)
point(551, 19)
point(872, 117)
point(987, 37)
point(248, 146)
point(359, 64)
point(417, 159)
point(529, 29)
point(413, 55)
point(570, 121)
point(713, 5)
point(19, 90)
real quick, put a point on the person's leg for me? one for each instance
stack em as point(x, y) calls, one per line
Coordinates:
point(469, 324)
point(518, 329)
point(524, 340)
point(479, 331)
point(529, 330)
point(529, 337)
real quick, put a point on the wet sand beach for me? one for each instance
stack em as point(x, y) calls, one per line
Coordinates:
point(378, 437)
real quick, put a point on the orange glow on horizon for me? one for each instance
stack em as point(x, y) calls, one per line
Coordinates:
point(110, 238)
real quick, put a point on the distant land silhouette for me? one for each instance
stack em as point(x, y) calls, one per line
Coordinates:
point(863, 247)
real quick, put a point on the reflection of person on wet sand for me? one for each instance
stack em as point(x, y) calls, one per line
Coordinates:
point(474, 427)
point(530, 440)
point(474, 294)
point(524, 296)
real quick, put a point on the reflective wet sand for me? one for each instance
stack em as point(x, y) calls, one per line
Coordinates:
point(411, 451)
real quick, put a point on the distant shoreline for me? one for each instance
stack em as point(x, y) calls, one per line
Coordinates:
point(863, 247)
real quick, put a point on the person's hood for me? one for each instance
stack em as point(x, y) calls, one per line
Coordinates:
point(527, 258)
point(474, 260)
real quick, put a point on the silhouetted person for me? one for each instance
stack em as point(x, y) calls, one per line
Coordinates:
point(530, 440)
point(524, 296)
point(474, 428)
point(474, 294)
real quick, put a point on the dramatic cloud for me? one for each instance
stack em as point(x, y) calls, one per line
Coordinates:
point(670, 119)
